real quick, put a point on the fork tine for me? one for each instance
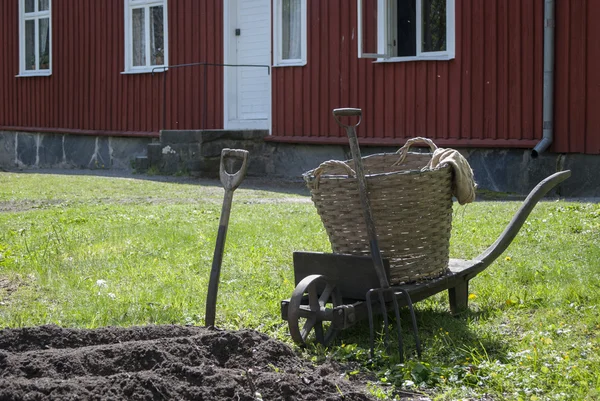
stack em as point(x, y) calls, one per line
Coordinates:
point(371, 328)
point(386, 325)
point(414, 320)
point(399, 327)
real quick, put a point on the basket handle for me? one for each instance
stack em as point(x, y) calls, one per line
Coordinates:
point(331, 163)
point(403, 151)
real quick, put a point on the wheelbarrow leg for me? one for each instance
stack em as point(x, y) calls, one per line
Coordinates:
point(458, 296)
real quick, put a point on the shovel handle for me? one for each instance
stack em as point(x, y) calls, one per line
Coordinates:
point(231, 181)
point(347, 112)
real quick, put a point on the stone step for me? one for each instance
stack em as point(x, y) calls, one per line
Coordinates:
point(141, 163)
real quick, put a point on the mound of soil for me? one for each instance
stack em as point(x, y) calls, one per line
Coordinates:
point(161, 363)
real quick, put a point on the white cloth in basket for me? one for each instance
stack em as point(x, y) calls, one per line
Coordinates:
point(463, 185)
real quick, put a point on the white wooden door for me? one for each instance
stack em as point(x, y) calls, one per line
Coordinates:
point(247, 42)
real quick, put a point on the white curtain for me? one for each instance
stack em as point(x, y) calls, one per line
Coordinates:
point(292, 30)
point(139, 36)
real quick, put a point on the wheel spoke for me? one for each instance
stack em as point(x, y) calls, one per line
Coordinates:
point(325, 295)
point(306, 313)
point(319, 332)
point(308, 325)
point(313, 298)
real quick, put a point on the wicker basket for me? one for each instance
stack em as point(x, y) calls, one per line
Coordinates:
point(411, 207)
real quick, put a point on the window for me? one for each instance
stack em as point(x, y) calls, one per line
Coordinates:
point(146, 36)
point(290, 32)
point(35, 37)
point(403, 30)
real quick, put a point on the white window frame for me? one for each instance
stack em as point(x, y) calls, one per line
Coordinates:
point(383, 34)
point(278, 61)
point(36, 15)
point(146, 4)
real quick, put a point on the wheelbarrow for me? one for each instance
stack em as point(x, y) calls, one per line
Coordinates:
point(332, 290)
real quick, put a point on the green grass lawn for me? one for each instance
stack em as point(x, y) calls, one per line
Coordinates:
point(86, 251)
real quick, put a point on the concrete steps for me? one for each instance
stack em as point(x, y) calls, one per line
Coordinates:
point(198, 152)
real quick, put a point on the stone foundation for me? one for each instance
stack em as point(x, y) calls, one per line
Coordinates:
point(197, 153)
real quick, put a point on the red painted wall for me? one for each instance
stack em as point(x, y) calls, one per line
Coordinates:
point(87, 90)
point(577, 84)
point(490, 95)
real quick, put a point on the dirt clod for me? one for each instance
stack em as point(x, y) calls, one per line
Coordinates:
point(161, 363)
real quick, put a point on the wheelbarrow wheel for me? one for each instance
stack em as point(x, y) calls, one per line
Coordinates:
point(311, 305)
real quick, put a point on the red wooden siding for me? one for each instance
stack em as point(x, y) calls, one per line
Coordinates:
point(87, 91)
point(490, 95)
point(577, 84)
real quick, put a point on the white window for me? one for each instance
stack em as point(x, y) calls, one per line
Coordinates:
point(146, 35)
point(35, 37)
point(405, 30)
point(290, 32)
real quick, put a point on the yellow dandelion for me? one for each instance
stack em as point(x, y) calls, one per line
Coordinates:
point(472, 296)
point(508, 258)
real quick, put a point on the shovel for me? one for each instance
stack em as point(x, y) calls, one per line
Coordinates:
point(230, 182)
point(384, 291)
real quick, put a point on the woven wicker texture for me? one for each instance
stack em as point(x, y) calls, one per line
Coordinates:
point(412, 211)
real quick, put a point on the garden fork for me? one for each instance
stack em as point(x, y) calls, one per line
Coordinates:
point(385, 291)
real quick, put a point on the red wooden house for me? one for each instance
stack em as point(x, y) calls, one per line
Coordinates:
point(467, 73)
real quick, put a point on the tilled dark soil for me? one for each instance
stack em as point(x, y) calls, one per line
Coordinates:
point(161, 363)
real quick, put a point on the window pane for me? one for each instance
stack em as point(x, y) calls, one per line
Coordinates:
point(157, 39)
point(138, 37)
point(44, 5)
point(291, 31)
point(407, 28)
point(369, 24)
point(434, 26)
point(30, 45)
point(44, 42)
point(29, 6)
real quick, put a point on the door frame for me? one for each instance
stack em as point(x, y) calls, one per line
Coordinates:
point(230, 75)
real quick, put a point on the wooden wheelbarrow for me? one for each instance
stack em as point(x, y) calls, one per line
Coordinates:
point(330, 288)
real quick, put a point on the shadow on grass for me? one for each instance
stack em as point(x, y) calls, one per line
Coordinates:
point(444, 339)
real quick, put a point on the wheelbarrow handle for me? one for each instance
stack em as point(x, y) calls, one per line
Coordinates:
point(231, 181)
point(347, 112)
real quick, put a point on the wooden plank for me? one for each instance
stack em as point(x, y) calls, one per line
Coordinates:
point(399, 141)
point(538, 70)
point(421, 98)
point(353, 275)
point(527, 69)
point(390, 111)
point(562, 71)
point(325, 127)
point(400, 80)
point(455, 77)
point(466, 62)
point(442, 100)
point(577, 77)
point(490, 77)
point(477, 67)
point(314, 66)
point(592, 139)
point(411, 94)
point(514, 70)
point(298, 116)
point(431, 108)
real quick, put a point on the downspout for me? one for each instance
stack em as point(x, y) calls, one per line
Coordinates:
point(548, 95)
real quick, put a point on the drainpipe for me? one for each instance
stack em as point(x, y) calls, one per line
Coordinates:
point(548, 102)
